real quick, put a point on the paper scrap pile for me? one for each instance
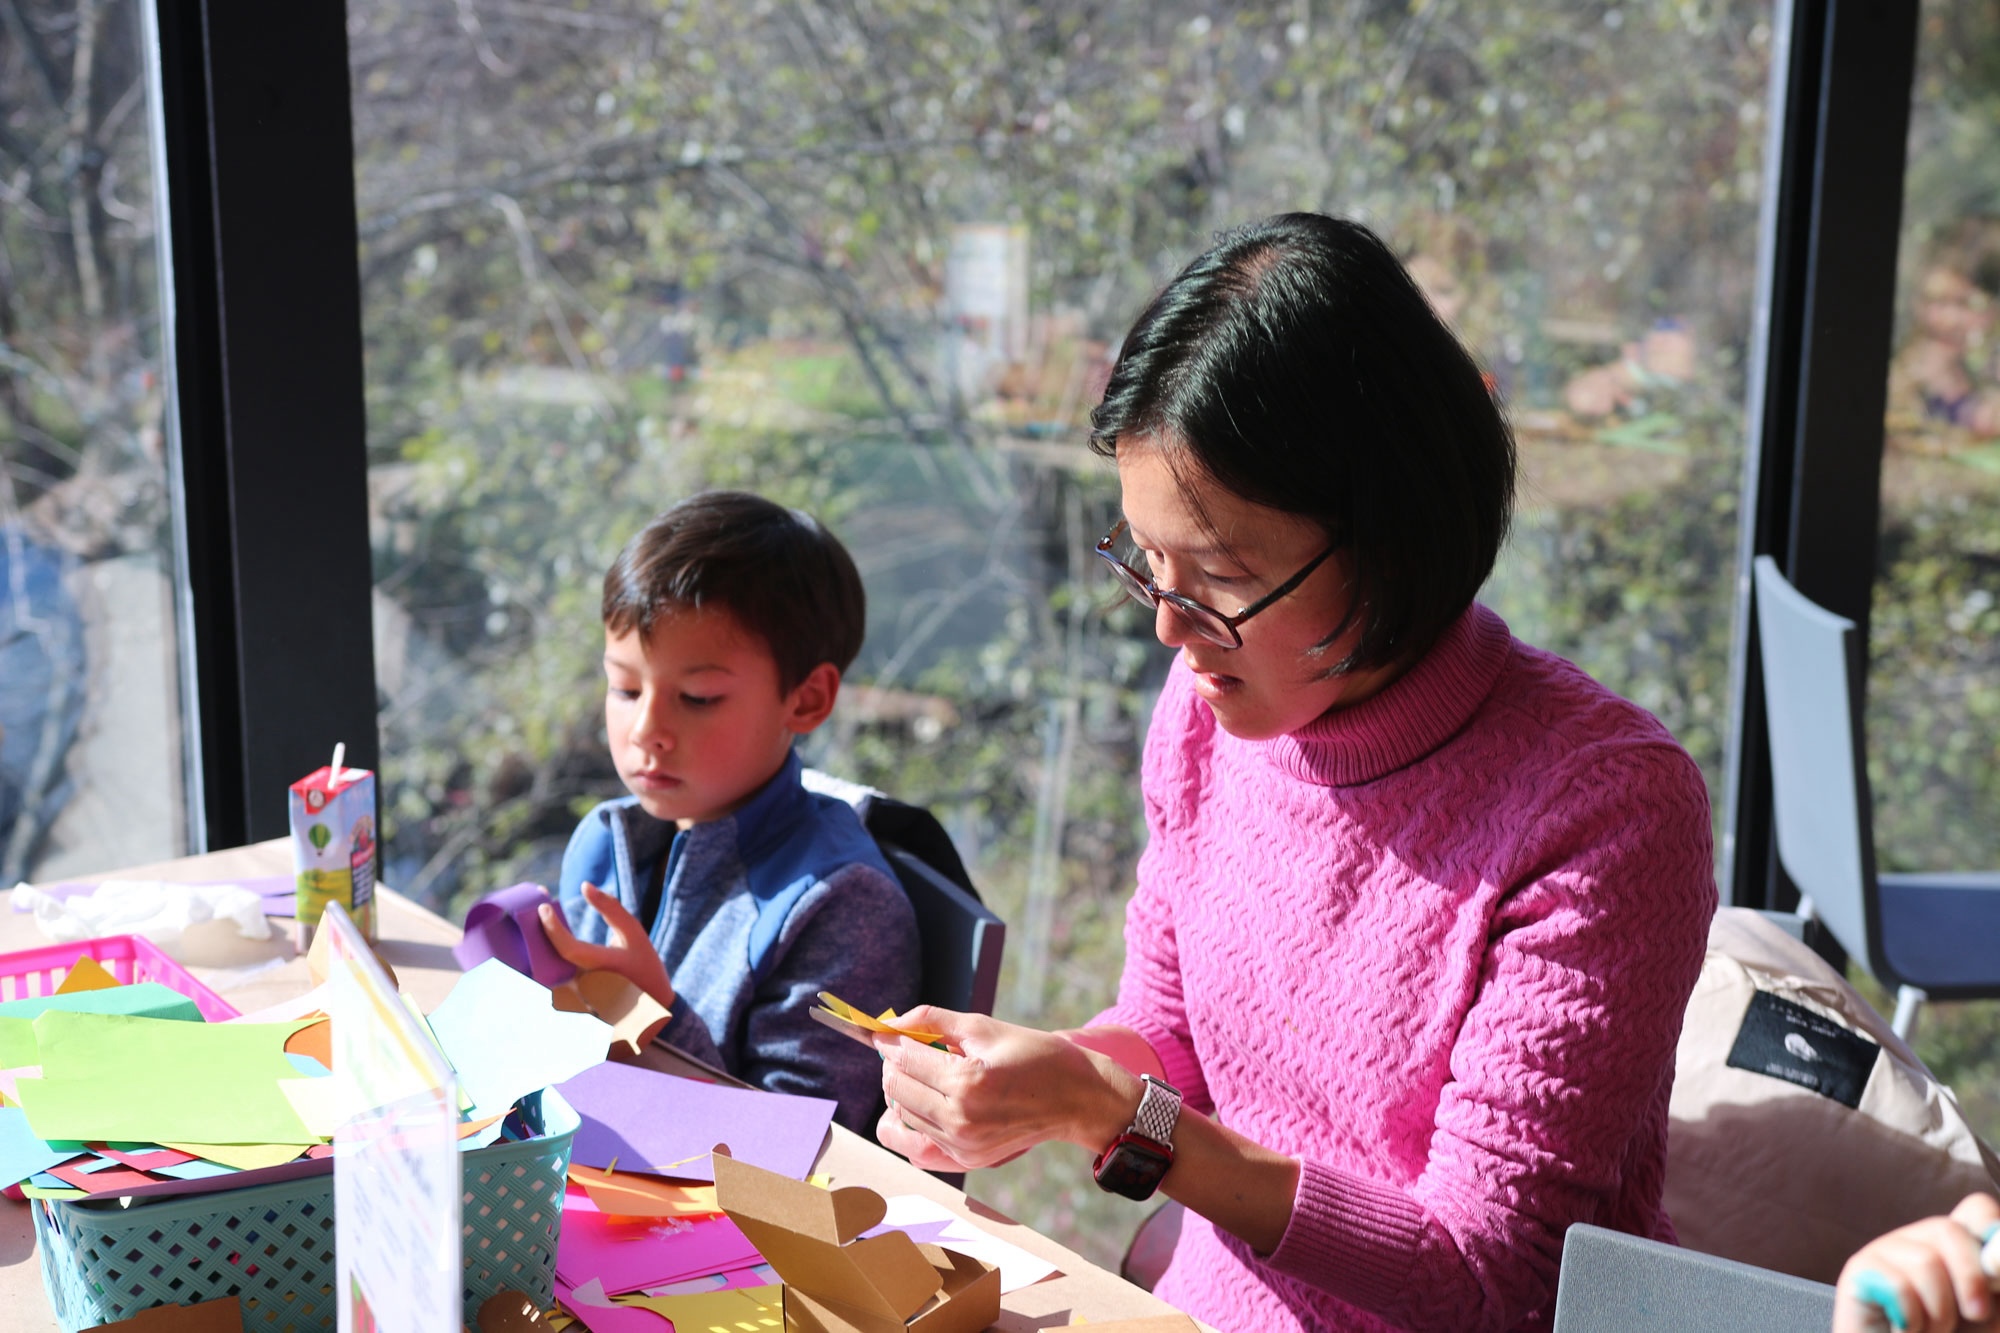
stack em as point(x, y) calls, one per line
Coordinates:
point(124, 1091)
point(645, 1240)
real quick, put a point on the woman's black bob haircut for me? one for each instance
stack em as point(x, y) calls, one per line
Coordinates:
point(784, 577)
point(1296, 365)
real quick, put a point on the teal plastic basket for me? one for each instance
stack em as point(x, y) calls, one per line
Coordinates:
point(272, 1245)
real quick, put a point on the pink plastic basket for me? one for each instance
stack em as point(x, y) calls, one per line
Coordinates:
point(32, 972)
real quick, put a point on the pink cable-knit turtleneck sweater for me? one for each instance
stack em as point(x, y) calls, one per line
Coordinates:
point(1437, 947)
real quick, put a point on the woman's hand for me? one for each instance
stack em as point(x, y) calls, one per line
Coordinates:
point(630, 953)
point(1922, 1278)
point(1008, 1089)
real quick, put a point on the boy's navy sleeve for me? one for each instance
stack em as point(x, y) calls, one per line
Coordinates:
point(853, 934)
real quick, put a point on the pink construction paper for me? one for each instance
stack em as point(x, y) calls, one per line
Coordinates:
point(110, 1180)
point(611, 1319)
point(507, 925)
point(648, 1121)
point(234, 1180)
point(631, 1255)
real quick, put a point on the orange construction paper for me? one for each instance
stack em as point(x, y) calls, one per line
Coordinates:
point(87, 974)
point(315, 1041)
point(622, 1194)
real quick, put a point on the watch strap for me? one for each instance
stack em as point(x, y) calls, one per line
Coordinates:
point(1159, 1111)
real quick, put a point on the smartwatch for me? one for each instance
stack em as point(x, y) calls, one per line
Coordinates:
point(1137, 1160)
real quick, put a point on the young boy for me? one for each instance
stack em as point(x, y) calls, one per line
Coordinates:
point(720, 885)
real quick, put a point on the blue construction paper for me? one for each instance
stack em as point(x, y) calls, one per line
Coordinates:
point(141, 999)
point(195, 1170)
point(505, 1037)
point(308, 1066)
point(22, 1155)
point(98, 1164)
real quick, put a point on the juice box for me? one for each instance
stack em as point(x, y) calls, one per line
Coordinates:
point(334, 846)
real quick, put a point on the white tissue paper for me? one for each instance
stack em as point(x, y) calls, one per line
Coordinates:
point(164, 913)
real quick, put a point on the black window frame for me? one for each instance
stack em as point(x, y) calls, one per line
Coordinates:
point(267, 439)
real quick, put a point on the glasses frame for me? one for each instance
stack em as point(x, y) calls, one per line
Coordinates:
point(1199, 616)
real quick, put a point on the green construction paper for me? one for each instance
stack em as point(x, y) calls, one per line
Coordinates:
point(144, 999)
point(17, 1042)
point(37, 1192)
point(109, 1076)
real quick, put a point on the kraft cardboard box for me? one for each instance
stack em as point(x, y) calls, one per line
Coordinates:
point(836, 1283)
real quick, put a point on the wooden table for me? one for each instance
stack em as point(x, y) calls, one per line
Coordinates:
point(417, 944)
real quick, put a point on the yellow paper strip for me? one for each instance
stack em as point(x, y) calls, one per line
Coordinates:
point(739, 1310)
point(885, 1024)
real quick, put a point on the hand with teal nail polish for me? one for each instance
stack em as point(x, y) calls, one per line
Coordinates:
point(1926, 1277)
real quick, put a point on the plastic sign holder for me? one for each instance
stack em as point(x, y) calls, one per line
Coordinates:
point(396, 1184)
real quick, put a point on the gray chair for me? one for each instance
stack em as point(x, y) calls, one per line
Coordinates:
point(1615, 1283)
point(960, 937)
point(1928, 936)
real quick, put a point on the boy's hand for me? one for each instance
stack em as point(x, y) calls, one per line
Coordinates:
point(630, 954)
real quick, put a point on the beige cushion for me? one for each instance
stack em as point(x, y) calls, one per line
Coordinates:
point(1770, 1173)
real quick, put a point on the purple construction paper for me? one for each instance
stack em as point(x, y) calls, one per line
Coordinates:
point(629, 1256)
point(507, 925)
point(666, 1125)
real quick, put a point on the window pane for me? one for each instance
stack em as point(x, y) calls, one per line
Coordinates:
point(1934, 673)
point(90, 739)
point(875, 260)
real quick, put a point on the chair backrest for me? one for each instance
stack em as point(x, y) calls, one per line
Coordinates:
point(1615, 1283)
point(960, 937)
point(1819, 778)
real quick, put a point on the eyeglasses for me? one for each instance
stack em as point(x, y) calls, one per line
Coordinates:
point(1206, 621)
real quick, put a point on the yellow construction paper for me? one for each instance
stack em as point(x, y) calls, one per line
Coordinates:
point(885, 1023)
point(323, 1104)
point(740, 1310)
point(87, 974)
point(242, 1156)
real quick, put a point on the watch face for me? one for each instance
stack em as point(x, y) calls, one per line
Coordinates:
point(1133, 1167)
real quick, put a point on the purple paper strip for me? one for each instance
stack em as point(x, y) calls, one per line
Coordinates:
point(507, 925)
point(659, 1123)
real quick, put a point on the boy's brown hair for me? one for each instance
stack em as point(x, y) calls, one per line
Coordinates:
point(783, 576)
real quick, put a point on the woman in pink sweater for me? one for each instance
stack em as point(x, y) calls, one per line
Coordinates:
point(1421, 906)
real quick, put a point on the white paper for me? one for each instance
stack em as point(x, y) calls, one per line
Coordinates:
point(1017, 1267)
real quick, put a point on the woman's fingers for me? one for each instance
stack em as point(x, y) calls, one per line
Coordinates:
point(896, 1134)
